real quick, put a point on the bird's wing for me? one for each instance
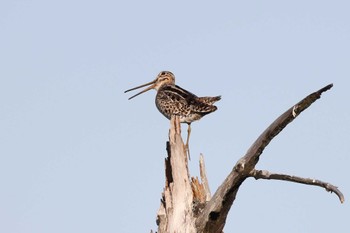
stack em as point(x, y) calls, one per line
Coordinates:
point(195, 104)
point(173, 100)
point(183, 102)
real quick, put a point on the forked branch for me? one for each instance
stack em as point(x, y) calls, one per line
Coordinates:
point(214, 214)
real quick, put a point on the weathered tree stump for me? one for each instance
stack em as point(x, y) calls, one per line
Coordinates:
point(187, 205)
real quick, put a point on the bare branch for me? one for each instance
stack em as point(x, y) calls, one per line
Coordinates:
point(213, 216)
point(252, 156)
point(263, 174)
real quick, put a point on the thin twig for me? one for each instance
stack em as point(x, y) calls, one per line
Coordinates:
point(263, 174)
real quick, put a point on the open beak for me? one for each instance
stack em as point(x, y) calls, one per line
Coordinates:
point(143, 91)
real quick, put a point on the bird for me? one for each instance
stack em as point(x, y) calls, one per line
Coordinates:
point(172, 100)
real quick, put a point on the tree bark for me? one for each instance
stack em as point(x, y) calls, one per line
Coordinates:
point(187, 205)
point(176, 213)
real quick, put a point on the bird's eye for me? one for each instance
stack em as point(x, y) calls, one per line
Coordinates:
point(163, 73)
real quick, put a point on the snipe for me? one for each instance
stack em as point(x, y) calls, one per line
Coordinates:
point(173, 100)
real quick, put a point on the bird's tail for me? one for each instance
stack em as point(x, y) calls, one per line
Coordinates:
point(209, 100)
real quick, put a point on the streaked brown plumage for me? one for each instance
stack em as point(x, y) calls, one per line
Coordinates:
point(174, 100)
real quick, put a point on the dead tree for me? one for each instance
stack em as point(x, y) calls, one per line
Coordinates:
point(186, 203)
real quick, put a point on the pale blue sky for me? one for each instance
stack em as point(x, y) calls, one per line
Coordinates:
point(77, 156)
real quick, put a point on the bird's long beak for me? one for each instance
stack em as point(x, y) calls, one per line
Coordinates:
point(143, 91)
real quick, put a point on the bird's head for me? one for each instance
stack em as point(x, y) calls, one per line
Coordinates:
point(163, 78)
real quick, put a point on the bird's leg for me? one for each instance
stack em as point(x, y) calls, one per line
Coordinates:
point(187, 140)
